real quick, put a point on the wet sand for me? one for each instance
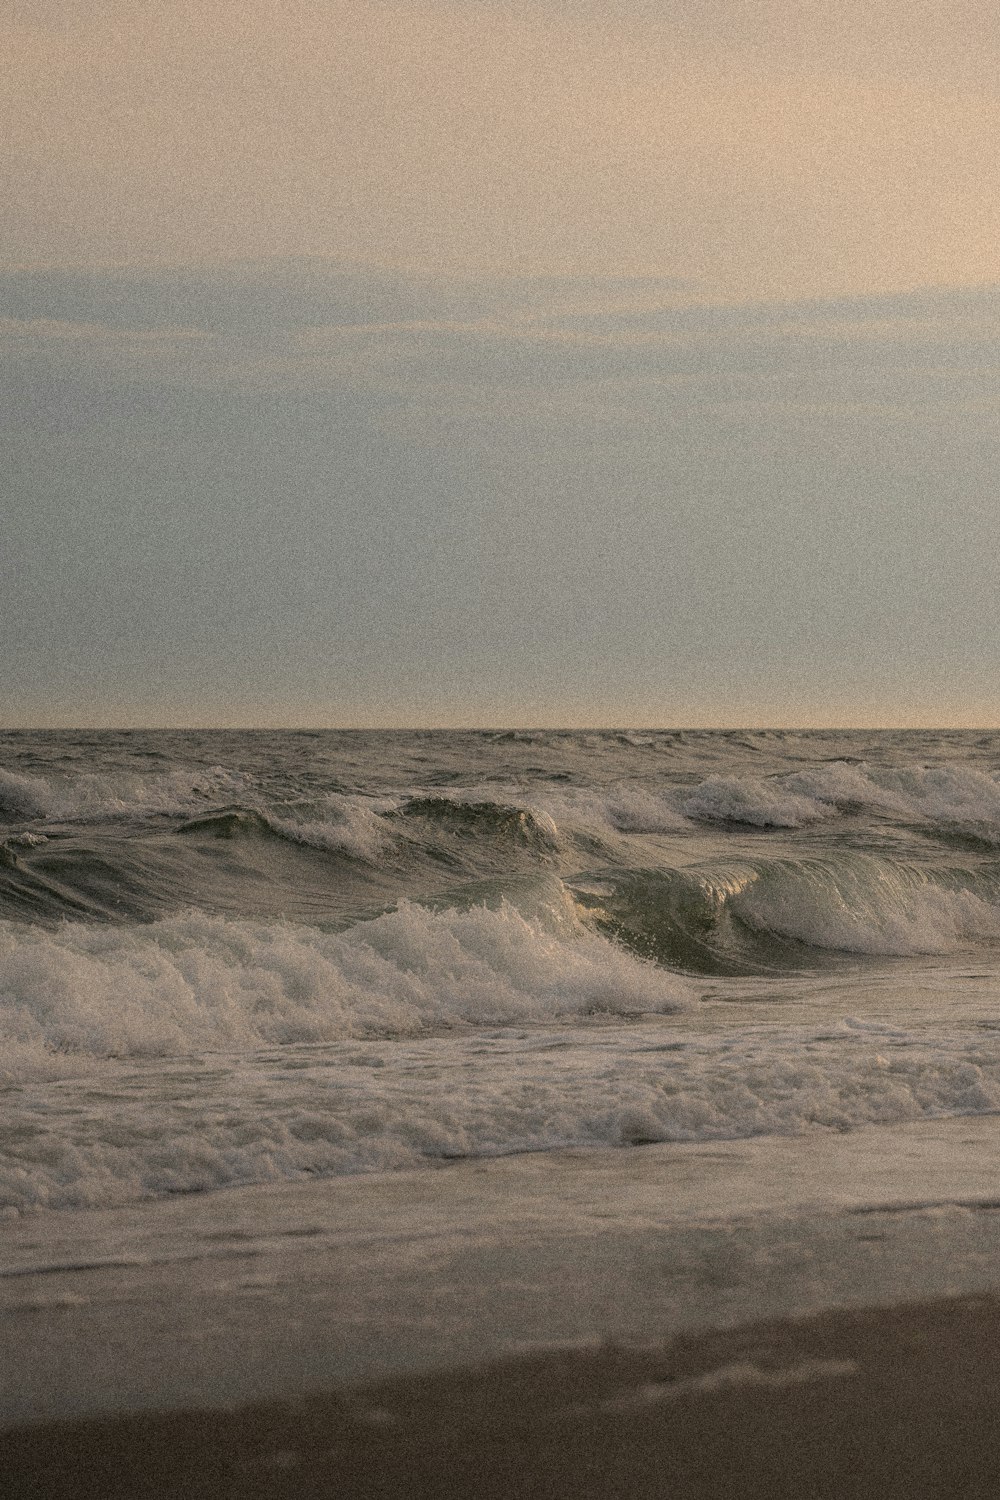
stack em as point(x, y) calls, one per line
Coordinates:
point(877, 1402)
point(240, 1298)
point(571, 1326)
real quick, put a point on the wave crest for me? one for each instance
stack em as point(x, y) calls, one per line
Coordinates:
point(197, 983)
point(476, 817)
point(767, 915)
point(114, 795)
point(865, 906)
point(941, 799)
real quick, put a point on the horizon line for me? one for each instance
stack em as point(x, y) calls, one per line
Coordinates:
point(617, 728)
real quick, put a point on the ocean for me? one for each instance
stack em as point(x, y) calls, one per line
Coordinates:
point(234, 958)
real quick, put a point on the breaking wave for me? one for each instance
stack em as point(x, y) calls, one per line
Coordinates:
point(948, 800)
point(89, 796)
point(338, 824)
point(772, 914)
point(200, 983)
point(946, 797)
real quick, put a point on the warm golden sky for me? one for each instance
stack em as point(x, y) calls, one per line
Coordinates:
point(759, 148)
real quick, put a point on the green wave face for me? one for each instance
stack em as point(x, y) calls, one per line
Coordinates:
point(772, 915)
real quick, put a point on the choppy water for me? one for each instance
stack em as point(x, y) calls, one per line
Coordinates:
point(241, 957)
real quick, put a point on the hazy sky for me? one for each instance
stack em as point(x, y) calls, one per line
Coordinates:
point(472, 362)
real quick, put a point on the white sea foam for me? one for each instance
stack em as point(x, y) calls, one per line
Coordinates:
point(839, 785)
point(23, 796)
point(634, 809)
point(197, 982)
point(863, 905)
point(342, 824)
point(147, 1129)
point(116, 794)
point(748, 799)
point(950, 795)
point(624, 807)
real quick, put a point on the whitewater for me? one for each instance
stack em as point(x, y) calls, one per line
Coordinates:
point(243, 958)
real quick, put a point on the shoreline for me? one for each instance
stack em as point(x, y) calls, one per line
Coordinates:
point(238, 1298)
point(868, 1402)
point(706, 1322)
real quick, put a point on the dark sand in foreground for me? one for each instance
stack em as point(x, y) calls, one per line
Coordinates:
point(875, 1402)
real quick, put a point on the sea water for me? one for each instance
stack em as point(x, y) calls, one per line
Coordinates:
point(238, 958)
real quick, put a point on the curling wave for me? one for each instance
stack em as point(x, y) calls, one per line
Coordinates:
point(772, 914)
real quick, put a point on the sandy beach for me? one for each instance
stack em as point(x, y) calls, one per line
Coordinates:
point(578, 1324)
point(877, 1402)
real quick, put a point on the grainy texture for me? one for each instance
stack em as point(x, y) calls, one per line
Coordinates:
point(898, 1401)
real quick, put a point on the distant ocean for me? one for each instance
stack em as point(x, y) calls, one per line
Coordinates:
point(232, 958)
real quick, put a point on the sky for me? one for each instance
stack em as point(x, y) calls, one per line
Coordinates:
point(477, 363)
